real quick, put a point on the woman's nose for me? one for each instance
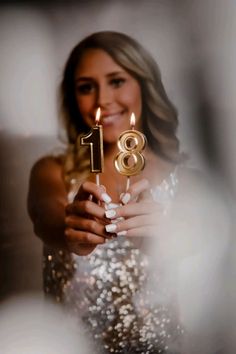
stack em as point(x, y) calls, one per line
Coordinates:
point(104, 95)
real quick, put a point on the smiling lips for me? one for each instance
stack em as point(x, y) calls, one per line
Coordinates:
point(111, 118)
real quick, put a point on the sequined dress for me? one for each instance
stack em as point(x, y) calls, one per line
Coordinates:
point(107, 289)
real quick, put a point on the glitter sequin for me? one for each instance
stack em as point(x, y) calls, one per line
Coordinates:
point(107, 289)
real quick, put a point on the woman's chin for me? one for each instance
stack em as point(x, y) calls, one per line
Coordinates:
point(110, 137)
point(110, 141)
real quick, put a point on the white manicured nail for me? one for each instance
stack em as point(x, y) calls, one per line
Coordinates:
point(122, 233)
point(110, 213)
point(126, 198)
point(106, 198)
point(110, 228)
point(112, 206)
point(115, 221)
point(122, 195)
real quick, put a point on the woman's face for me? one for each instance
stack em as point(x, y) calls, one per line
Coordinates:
point(101, 82)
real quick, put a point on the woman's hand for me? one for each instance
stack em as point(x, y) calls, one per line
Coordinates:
point(85, 219)
point(141, 214)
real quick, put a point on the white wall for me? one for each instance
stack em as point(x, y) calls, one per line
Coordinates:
point(27, 72)
point(212, 33)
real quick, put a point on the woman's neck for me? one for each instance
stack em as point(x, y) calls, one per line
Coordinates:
point(110, 151)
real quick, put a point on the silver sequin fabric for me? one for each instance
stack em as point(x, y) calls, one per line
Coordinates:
point(107, 289)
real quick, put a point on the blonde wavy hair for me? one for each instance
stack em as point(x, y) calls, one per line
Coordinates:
point(159, 116)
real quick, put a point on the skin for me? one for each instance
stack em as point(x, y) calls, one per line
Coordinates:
point(101, 82)
point(80, 225)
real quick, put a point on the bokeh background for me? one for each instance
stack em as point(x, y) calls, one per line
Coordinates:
point(194, 45)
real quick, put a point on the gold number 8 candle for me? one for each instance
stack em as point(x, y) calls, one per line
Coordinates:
point(95, 141)
point(130, 161)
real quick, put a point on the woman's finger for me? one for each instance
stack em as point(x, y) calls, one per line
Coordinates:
point(85, 207)
point(148, 231)
point(89, 188)
point(131, 223)
point(89, 225)
point(135, 190)
point(80, 249)
point(83, 237)
point(129, 210)
point(81, 243)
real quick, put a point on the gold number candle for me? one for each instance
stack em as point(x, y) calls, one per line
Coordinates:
point(95, 141)
point(130, 161)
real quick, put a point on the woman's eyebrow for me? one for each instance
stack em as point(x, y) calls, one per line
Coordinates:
point(115, 73)
point(88, 78)
point(83, 78)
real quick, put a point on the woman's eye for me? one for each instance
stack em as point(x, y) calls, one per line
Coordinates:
point(85, 89)
point(118, 82)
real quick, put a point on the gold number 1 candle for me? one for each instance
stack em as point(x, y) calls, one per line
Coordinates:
point(95, 141)
point(130, 161)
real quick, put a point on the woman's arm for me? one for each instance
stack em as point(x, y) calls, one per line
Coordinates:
point(78, 226)
point(47, 199)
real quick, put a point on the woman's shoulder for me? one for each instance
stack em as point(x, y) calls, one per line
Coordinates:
point(48, 162)
point(46, 179)
point(47, 167)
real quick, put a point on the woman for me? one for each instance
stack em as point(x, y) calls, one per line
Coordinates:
point(107, 225)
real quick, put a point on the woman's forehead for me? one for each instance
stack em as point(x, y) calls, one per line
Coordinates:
point(97, 60)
